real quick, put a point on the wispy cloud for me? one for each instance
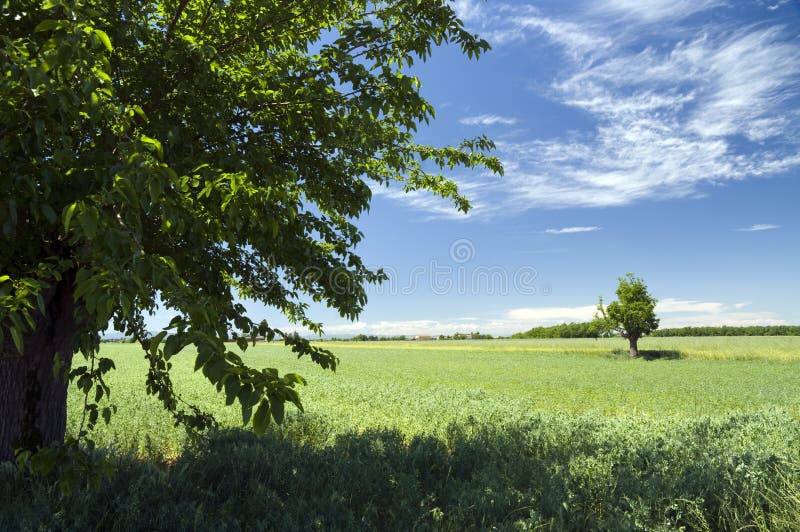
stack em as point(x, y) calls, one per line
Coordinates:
point(759, 227)
point(577, 229)
point(546, 315)
point(654, 10)
point(678, 102)
point(683, 305)
point(488, 120)
point(732, 318)
point(691, 313)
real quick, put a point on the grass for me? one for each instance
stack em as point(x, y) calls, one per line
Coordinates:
point(463, 435)
point(420, 388)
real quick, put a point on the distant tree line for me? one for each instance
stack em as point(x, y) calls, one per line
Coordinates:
point(564, 330)
point(372, 338)
point(725, 330)
point(467, 336)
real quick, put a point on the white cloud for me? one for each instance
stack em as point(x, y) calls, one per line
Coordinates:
point(577, 41)
point(691, 313)
point(750, 76)
point(577, 229)
point(655, 10)
point(468, 10)
point(759, 227)
point(778, 5)
point(670, 305)
point(735, 319)
point(487, 120)
point(430, 327)
point(673, 100)
point(550, 315)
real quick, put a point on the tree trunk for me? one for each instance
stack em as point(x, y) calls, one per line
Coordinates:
point(33, 401)
point(634, 341)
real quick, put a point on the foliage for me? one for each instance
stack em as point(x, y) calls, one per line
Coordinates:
point(187, 154)
point(563, 330)
point(632, 316)
point(727, 330)
point(551, 472)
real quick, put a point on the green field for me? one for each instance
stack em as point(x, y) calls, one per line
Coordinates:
point(458, 435)
point(423, 387)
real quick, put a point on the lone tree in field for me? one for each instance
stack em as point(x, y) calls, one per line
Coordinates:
point(188, 153)
point(632, 317)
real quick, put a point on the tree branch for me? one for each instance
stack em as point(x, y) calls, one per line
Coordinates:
point(176, 17)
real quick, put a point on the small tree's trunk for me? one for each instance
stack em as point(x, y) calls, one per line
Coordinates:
point(634, 341)
point(33, 401)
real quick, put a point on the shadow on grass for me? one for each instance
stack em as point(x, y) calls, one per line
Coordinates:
point(660, 354)
point(651, 354)
point(551, 472)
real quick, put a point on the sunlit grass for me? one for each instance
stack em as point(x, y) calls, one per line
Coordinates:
point(704, 348)
point(420, 388)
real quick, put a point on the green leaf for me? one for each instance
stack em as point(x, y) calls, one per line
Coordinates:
point(43, 461)
point(17, 337)
point(153, 145)
point(89, 219)
point(232, 387)
point(47, 25)
point(203, 356)
point(247, 413)
point(172, 345)
point(105, 365)
point(156, 340)
point(261, 417)
point(66, 215)
point(104, 39)
point(294, 378)
point(276, 406)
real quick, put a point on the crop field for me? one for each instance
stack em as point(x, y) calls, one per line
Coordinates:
point(420, 388)
point(453, 435)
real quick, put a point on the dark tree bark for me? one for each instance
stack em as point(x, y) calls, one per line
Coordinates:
point(634, 343)
point(33, 401)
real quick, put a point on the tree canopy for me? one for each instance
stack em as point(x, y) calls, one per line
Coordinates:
point(562, 330)
point(186, 154)
point(632, 316)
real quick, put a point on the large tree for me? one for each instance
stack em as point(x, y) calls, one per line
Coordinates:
point(188, 154)
point(631, 316)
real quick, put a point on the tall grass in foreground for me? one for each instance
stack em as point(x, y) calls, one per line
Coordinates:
point(517, 435)
point(551, 472)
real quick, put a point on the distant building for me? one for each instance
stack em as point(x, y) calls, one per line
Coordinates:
point(423, 337)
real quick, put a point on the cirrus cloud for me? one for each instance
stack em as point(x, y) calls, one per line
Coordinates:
point(576, 229)
point(677, 102)
point(759, 227)
point(488, 120)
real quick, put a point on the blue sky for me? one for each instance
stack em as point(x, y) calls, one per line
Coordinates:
point(658, 137)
